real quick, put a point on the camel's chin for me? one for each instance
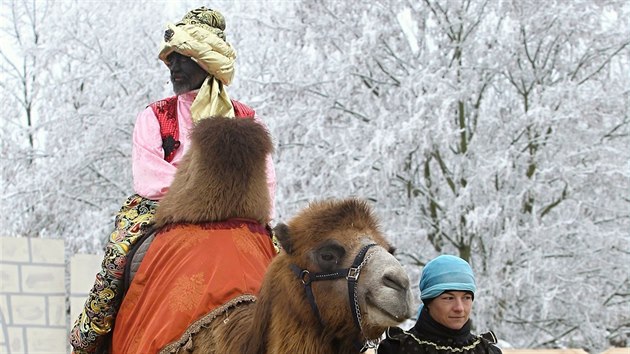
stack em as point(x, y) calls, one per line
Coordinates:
point(376, 321)
point(385, 313)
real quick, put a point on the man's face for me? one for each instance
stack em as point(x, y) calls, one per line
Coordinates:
point(451, 309)
point(186, 75)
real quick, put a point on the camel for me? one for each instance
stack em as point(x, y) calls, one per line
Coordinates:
point(321, 239)
point(333, 288)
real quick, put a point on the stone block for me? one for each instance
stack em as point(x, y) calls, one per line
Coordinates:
point(83, 269)
point(28, 310)
point(76, 306)
point(43, 279)
point(46, 340)
point(57, 311)
point(4, 309)
point(9, 278)
point(14, 249)
point(46, 250)
point(16, 340)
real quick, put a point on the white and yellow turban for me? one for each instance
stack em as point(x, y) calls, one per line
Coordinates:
point(199, 35)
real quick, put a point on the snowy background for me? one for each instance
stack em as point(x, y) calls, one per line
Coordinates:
point(495, 130)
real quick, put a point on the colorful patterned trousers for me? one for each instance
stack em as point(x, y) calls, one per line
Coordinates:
point(90, 333)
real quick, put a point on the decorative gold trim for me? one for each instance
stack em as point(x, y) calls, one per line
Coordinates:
point(186, 338)
point(449, 348)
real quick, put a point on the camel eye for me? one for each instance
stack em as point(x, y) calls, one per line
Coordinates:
point(329, 256)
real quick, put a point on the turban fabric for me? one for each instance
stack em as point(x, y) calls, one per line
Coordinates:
point(200, 36)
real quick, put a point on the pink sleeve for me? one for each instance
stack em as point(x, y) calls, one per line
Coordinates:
point(151, 173)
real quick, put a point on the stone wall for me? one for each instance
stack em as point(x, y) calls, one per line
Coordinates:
point(36, 297)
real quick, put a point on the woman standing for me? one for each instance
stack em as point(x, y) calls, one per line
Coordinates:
point(447, 291)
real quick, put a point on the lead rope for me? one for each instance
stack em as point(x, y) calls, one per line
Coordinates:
point(367, 343)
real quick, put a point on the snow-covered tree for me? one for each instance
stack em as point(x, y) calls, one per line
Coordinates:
point(483, 129)
point(76, 77)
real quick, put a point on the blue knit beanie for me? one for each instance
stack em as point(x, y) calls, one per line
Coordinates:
point(446, 273)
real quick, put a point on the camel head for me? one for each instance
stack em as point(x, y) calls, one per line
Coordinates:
point(331, 247)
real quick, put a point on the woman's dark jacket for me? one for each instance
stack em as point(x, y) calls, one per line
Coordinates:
point(430, 337)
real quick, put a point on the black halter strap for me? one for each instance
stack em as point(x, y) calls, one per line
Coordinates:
point(352, 276)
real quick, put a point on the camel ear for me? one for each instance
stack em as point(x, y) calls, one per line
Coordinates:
point(283, 235)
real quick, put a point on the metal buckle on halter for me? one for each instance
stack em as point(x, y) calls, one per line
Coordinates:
point(353, 274)
point(305, 276)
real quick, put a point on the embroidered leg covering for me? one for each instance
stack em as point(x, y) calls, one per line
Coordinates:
point(96, 320)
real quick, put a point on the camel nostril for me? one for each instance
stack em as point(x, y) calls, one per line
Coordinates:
point(395, 282)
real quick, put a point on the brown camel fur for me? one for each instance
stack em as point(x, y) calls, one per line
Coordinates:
point(325, 236)
point(223, 176)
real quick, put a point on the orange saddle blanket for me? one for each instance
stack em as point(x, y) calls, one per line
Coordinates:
point(189, 271)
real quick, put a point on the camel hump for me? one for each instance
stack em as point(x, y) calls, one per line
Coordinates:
point(232, 142)
point(222, 176)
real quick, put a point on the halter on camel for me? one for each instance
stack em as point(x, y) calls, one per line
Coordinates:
point(352, 275)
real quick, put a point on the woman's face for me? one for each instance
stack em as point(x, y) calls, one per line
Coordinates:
point(451, 309)
point(186, 74)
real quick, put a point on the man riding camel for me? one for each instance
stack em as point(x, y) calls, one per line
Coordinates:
point(201, 64)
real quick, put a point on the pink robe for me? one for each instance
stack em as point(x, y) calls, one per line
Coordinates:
point(152, 175)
